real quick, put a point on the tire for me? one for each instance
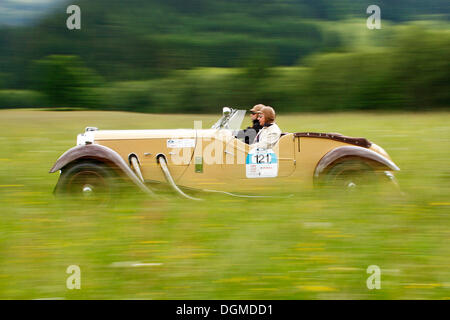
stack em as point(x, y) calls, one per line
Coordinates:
point(91, 182)
point(350, 174)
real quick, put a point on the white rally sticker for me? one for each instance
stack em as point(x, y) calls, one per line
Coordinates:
point(261, 163)
point(180, 143)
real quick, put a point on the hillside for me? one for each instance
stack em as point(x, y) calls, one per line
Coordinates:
point(138, 39)
point(196, 55)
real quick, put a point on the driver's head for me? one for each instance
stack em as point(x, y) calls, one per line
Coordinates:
point(266, 115)
point(255, 111)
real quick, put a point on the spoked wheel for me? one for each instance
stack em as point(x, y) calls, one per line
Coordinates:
point(351, 175)
point(88, 181)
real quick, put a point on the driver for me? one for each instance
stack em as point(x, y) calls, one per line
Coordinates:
point(254, 116)
point(249, 134)
point(270, 132)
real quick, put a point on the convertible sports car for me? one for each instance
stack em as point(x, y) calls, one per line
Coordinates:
point(215, 160)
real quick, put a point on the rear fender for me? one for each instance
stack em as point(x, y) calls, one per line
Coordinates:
point(381, 162)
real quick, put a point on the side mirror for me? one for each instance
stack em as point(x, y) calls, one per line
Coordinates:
point(226, 111)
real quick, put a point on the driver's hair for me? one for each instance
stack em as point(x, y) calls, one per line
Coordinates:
point(269, 114)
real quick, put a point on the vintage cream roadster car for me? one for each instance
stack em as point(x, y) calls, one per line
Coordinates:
point(214, 160)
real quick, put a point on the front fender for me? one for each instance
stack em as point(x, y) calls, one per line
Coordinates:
point(100, 153)
point(353, 151)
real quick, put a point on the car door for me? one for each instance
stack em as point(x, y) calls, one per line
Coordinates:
point(236, 152)
point(177, 146)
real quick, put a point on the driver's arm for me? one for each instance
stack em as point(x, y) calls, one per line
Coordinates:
point(246, 135)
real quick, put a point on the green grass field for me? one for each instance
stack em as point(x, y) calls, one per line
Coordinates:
point(311, 246)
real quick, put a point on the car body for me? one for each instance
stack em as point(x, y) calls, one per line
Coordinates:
point(215, 160)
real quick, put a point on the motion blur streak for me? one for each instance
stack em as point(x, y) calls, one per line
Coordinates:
point(178, 61)
point(316, 244)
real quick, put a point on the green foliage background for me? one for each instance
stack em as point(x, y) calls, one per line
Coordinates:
point(198, 55)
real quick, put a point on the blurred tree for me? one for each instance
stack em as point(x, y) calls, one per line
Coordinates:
point(422, 67)
point(248, 86)
point(147, 40)
point(66, 81)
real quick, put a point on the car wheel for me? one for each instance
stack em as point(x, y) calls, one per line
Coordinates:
point(90, 181)
point(350, 175)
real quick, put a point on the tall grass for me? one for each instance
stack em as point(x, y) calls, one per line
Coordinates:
point(315, 245)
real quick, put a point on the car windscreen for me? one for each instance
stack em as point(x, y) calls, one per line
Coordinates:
point(236, 119)
point(232, 121)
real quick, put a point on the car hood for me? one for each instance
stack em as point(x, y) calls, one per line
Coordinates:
point(157, 133)
point(143, 134)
